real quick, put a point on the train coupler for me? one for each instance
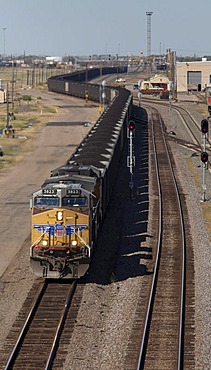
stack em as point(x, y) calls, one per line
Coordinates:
point(44, 271)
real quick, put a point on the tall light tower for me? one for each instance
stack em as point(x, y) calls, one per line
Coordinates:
point(149, 14)
point(4, 29)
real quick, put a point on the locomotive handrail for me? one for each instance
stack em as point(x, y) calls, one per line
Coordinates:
point(38, 239)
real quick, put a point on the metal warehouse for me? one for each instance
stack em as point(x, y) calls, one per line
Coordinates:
point(193, 76)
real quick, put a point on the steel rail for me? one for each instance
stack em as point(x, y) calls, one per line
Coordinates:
point(183, 269)
point(141, 359)
point(140, 364)
point(26, 325)
point(60, 327)
point(179, 109)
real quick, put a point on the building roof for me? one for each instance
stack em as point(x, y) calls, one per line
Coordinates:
point(159, 79)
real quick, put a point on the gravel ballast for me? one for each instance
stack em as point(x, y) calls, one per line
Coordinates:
point(109, 301)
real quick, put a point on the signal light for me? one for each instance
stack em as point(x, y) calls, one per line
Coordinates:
point(204, 157)
point(204, 126)
point(131, 125)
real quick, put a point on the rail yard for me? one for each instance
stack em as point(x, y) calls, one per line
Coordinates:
point(145, 301)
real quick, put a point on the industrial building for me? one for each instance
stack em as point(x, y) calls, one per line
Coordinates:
point(156, 82)
point(193, 76)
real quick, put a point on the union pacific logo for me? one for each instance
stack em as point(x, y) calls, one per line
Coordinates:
point(58, 229)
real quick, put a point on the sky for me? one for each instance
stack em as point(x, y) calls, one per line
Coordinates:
point(86, 27)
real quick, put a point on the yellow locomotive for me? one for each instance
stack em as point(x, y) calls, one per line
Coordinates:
point(65, 219)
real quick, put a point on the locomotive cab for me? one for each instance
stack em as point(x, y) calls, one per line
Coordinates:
point(61, 234)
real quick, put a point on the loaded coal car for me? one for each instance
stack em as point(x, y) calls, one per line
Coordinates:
point(75, 84)
point(69, 208)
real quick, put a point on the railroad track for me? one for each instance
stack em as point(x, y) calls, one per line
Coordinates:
point(162, 342)
point(37, 342)
point(192, 126)
point(158, 340)
point(144, 344)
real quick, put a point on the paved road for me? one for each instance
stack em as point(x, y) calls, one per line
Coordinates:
point(51, 148)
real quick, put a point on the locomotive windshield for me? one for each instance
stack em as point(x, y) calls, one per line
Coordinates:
point(46, 201)
point(74, 201)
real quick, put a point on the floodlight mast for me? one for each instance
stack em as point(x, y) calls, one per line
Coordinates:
point(149, 15)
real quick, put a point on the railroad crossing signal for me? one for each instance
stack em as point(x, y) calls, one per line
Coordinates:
point(204, 126)
point(7, 132)
point(204, 157)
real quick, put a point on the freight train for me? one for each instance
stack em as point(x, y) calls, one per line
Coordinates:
point(69, 208)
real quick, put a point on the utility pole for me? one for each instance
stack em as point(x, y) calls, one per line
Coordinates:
point(8, 119)
point(13, 81)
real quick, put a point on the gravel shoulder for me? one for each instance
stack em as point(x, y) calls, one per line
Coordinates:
point(112, 307)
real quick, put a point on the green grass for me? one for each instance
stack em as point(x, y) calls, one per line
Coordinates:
point(113, 278)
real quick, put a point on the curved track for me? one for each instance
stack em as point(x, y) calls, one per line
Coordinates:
point(192, 126)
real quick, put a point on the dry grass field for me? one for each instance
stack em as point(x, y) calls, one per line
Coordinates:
point(28, 114)
point(29, 118)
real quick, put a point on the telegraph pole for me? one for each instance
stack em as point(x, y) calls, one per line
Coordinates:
point(13, 81)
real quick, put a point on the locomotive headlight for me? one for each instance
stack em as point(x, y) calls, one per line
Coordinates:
point(44, 243)
point(59, 216)
point(74, 243)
